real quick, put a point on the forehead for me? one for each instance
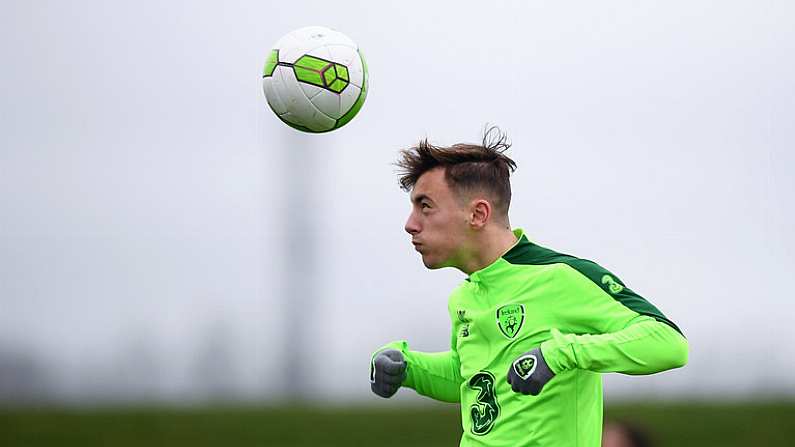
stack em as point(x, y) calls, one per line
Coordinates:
point(431, 184)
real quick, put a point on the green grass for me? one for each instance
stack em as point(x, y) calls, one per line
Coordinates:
point(699, 424)
point(669, 424)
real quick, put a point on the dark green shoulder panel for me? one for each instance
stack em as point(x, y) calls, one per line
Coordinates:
point(527, 253)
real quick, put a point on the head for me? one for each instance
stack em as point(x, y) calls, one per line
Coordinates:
point(619, 434)
point(459, 196)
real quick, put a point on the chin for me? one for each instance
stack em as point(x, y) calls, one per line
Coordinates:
point(433, 265)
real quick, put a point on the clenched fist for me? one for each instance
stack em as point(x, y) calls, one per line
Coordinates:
point(387, 372)
point(529, 373)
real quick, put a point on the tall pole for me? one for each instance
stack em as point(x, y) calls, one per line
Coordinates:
point(300, 261)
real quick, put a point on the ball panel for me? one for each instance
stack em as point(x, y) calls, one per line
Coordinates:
point(342, 54)
point(307, 75)
point(348, 97)
point(353, 110)
point(329, 74)
point(270, 63)
point(290, 48)
point(365, 74)
point(320, 52)
point(328, 103)
point(310, 90)
point(342, 72)
point(338, 85)
point(288, 119)
point(312, 62)
point(356, 71)
point(271, 88)
point(300, 107)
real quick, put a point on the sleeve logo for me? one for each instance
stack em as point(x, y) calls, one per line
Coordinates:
point(510, 319)
point(525, 365)
point(612, 284)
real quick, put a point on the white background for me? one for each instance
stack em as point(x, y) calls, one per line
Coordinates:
point(143, 202)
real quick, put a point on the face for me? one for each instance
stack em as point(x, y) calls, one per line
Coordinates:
point(438, 221)
point(614, 436)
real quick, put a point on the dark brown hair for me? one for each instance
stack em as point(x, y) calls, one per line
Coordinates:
point(467, 167)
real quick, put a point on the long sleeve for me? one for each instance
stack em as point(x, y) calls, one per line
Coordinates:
point(432, 374)
point(644, 346)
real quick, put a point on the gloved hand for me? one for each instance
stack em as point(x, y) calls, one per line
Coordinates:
point(529, 373)
point(387, 372)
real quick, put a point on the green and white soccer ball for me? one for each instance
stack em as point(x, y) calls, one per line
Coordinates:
point(315, 79)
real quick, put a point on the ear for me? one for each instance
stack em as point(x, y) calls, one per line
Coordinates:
point(480, 213)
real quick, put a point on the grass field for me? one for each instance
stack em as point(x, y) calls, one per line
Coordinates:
point(679, 425)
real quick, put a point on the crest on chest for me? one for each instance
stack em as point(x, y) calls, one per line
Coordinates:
point(510, 318)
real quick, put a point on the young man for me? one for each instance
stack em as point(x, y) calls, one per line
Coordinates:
point(532, 329)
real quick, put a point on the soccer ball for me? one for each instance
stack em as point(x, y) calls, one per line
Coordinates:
point(315, 79)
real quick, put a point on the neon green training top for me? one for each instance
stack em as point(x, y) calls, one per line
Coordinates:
point(586, 322)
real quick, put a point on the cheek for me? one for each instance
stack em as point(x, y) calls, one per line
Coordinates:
point(447, 228)
point(435, 223)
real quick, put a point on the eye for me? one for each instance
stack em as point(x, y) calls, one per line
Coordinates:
point(425, 205)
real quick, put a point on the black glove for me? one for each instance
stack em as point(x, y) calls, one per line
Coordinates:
point(529, 373)
point(387, 372)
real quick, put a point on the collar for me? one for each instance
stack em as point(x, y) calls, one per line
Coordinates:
point(501, 264)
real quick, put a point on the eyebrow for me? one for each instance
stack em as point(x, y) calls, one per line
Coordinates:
point(420, 197)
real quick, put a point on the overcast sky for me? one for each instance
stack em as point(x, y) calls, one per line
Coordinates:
point(145, 211)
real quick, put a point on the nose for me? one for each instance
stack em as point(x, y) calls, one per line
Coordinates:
point(412, 227)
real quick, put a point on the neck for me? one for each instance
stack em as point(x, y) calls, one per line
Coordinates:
point(488, 247)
